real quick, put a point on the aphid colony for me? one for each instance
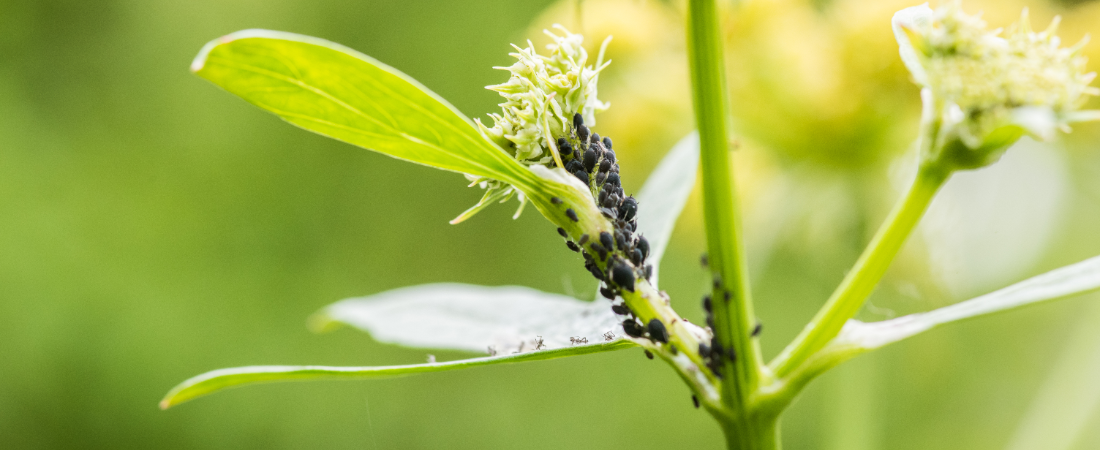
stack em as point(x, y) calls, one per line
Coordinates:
point(615, 258)
point(714, 353)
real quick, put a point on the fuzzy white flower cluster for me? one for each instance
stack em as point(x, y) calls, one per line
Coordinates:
point(978, 82)
point(542, 95)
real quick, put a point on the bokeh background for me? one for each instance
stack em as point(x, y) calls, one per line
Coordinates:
point(153, 227)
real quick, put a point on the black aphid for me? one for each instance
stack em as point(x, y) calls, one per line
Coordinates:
point(632, 329)
point(706, 303)
point(649, 272)
point(731, 354)
point(595, 138)
point(704, 350)
point(581, 175)
point(608, 212)
point(574, 165)
point(726, 296)
point(600, 177)
point(610, 156)
point(605, 239)
point(562, 232)
point(657, 331)
point(649, 354)
point(717, 282)
point(621, 310)
point(589, 159)
point(710, 320)
point(643, 245)
point(572, 215)
point(694, 399)
point(629, 208)
point(564, 148)
point(607, 142)
point(607, 293)
point(716, 350)
point(555, 200)
point(703, 260)
point(596, 247)
point(757, 329)
point(572, 246)
point(596, 272)
point(609, 201)
point(602, 197)
point(636, 257)
point(620, 240)
point(623, 276)
point(582, 132)
point(583, 240)
point(613, 179)
point(605, 166)
point(577, 120)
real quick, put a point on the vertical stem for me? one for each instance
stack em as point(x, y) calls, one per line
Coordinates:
point(733, 319)
point(869, 269)
point(749, 434)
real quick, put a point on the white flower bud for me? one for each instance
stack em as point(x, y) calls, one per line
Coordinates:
point(985, 89)
point(542, 95)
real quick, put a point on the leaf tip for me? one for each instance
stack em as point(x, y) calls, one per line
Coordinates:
point(200, 60)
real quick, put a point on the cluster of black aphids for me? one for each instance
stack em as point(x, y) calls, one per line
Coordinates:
point(592, 160)
point(616, 258)
point(714, 353)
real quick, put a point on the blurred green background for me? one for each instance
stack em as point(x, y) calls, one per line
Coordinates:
point(153, 227)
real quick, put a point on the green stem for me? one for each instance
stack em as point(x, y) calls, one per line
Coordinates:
point(749, 434)
point(869, 269)
point(733, 319)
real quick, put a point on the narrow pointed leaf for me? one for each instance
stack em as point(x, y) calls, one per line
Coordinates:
point(338, 92)
point(474, 318)
point(217, 380)
point(1059, 283)
point(662, 198)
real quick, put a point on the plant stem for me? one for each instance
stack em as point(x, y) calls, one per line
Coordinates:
point(733, 319)
point(869, 269)
point(751, 434)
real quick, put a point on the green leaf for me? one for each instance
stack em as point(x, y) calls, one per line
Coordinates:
point(473, 318)
point(664, 195)
point(217, 380)
point(858, 337)
point(1056, 284)
point(337, 92)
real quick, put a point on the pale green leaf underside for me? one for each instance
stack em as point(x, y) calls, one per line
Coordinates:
point(1059, 283)
point(474, 318)
point(217, 380)
point(666, 191)
point(338, 92)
